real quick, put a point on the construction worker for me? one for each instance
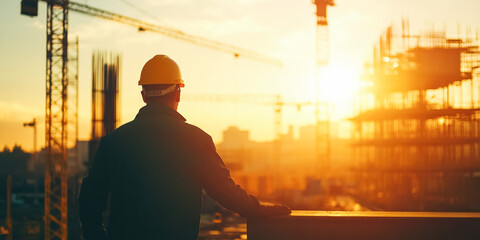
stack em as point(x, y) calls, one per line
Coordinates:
point(155, 169)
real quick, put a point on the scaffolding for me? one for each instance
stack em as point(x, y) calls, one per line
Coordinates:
point(417, 128)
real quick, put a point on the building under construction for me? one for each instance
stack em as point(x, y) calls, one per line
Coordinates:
point(417, 128)
point(105, 95)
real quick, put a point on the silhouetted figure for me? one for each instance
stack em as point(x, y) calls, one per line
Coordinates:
point(155, 168)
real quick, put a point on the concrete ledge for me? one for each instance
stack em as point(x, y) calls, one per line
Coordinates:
point(306, 225)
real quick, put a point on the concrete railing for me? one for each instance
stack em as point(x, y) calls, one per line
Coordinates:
point(306, 225)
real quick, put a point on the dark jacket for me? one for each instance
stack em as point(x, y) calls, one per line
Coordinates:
point(155, 168)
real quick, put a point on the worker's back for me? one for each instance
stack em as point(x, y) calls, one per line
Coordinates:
point(155, 168)
point(154, 176)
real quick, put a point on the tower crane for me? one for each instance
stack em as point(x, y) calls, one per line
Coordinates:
point(322, 55)
point(57, 83)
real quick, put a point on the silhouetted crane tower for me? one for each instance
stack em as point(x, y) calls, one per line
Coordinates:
point(57, 82)
point(322, 136)
point(322, 47)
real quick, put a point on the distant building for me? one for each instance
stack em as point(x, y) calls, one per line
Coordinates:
point(235, 148)
point(234, 138)
point(78, 164)
point(253, 164)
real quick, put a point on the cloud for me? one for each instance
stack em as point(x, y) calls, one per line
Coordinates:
point(12, 117)
point(248, 2)
point(227, 27)
point(95, 33)
point(186, 3)
point(13, 112)
point(233, 31)
point(156, 3)
point(38, 25)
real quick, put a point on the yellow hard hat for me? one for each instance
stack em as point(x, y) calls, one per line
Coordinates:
point(161, 70)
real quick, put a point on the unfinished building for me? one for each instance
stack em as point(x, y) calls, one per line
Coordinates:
point(417, 128)
point(105, 97)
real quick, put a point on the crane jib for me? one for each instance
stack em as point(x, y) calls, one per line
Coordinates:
point(145, 26)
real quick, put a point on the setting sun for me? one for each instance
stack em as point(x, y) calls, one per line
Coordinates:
point(337, 86)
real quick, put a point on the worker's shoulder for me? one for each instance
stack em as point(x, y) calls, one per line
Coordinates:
point(183, 126)
point(192, 129)
point(122, 130)
point(124, 127)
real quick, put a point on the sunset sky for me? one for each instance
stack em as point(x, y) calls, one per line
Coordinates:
point(281, 28)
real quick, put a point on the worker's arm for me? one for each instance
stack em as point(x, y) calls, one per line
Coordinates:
point(93, 195)
point(221, 187)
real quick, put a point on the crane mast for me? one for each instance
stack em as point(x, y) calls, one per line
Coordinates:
point(56, 120)
point(322, 113)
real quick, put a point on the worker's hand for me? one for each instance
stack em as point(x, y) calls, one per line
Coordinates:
point(272, 209)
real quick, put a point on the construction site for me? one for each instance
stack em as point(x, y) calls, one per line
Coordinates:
point(416, 136)
point(411, 144)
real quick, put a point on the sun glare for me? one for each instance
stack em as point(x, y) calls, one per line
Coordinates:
point(337, 86)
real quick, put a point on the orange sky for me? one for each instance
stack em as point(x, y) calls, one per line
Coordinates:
point(280, 28)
